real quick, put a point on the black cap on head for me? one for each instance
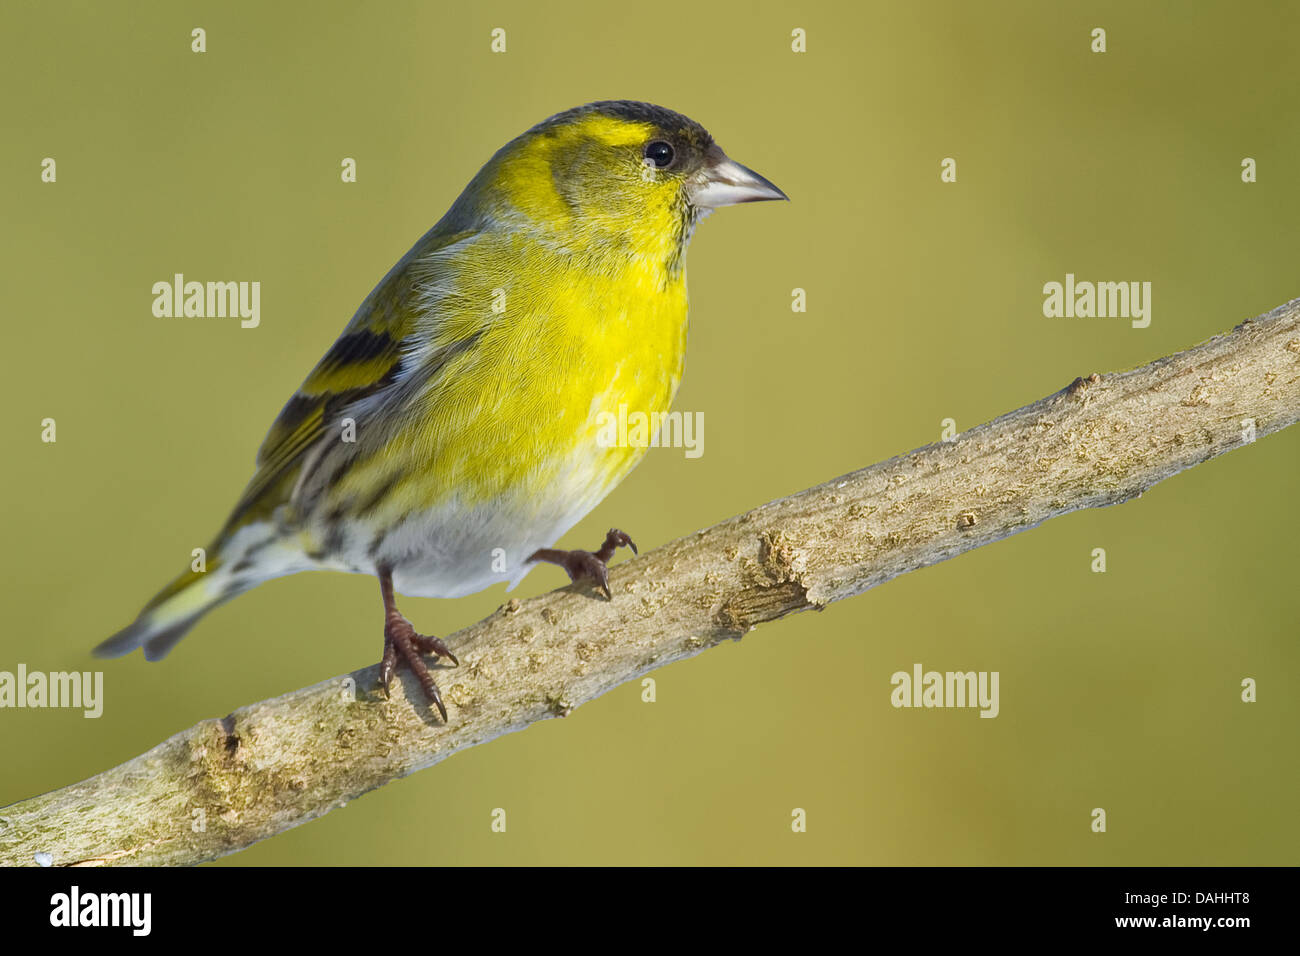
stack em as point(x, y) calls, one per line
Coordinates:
point(666, 119)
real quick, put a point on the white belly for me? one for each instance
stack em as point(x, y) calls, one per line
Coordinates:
point(454, 550)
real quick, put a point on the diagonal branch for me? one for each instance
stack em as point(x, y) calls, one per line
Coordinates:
point(225, 784)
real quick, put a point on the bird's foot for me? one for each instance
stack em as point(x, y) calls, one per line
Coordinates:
point(403, 645)
point(588, 565)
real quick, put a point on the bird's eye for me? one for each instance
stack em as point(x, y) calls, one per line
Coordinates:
point(659, 153)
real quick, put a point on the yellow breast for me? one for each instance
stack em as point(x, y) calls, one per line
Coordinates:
point(526, 367)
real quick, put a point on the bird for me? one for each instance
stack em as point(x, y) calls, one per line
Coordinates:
point(450, 436)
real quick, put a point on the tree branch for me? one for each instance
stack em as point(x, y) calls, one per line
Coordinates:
point(275, 764)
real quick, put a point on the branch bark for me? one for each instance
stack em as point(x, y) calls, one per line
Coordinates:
point(275, 764)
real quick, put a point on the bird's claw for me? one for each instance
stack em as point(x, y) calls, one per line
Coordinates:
point(402, 642)
point(588, 565)
point(614, 540)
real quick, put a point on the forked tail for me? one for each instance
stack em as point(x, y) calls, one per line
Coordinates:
point(170, 615)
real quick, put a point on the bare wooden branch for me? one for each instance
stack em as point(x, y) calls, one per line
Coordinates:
point(275, 764)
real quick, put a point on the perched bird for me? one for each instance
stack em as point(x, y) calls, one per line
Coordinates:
point(449, 437)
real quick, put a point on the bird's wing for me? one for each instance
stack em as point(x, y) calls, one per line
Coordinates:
point(366, 360)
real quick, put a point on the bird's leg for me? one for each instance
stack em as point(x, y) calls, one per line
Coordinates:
point(588, 565)
point(402, 643)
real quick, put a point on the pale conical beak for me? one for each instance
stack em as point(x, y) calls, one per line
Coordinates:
point(724, 182)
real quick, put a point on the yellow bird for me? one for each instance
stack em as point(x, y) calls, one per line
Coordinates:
point(457, 418)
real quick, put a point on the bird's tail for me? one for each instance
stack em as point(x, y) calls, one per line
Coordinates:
point(170, 615)
point(234, 564)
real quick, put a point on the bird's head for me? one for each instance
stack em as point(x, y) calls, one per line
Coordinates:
point(627, 177)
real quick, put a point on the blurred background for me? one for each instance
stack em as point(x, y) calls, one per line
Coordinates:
point(924, 302)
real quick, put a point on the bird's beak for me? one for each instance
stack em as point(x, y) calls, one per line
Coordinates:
point(724, 182)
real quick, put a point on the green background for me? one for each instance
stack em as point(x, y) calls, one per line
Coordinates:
point(1119, 690)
